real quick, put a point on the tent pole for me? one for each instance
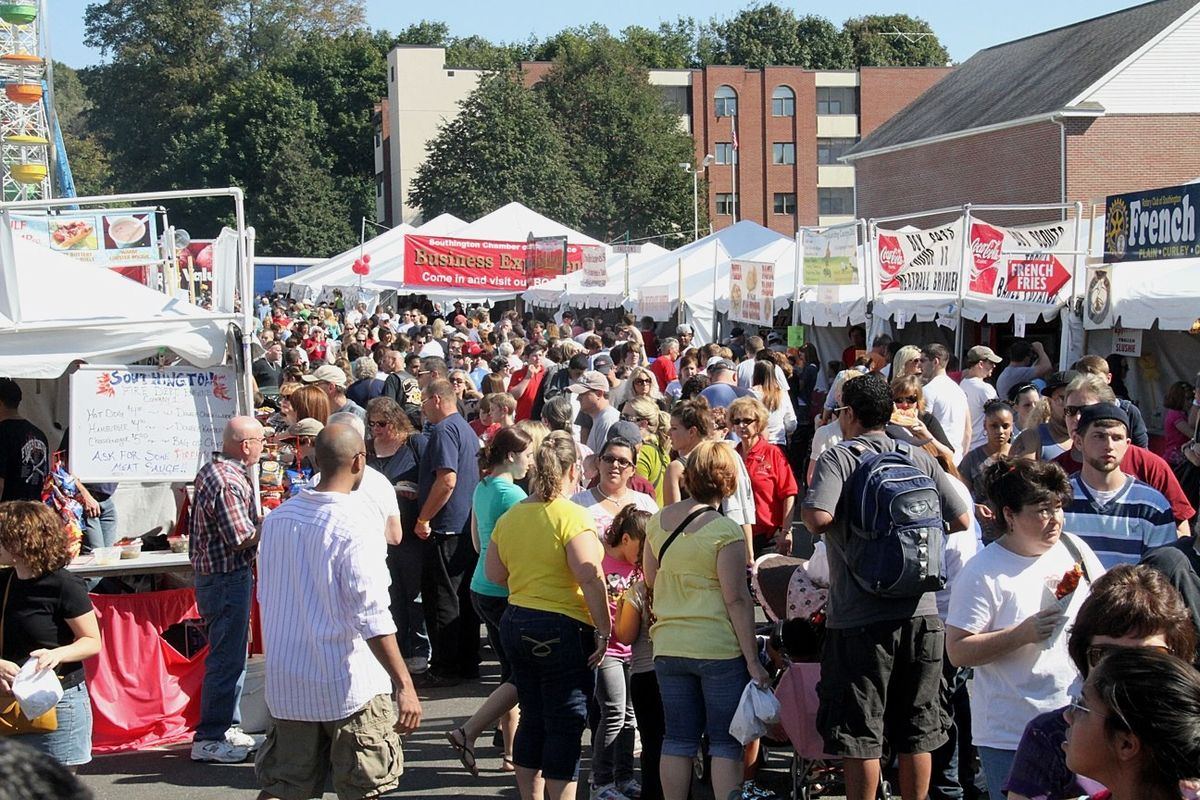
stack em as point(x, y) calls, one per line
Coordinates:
point(10, 298)
point(798, 238)
point(962, 279)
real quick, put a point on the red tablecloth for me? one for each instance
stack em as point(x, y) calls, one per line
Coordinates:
point(144, 692)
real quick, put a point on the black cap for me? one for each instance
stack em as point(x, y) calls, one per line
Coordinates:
point(1099, 411)
point(1058, 380)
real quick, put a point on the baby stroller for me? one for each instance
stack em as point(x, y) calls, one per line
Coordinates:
point(793, 595)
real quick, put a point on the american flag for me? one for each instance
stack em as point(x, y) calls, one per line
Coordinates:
point(733, 127)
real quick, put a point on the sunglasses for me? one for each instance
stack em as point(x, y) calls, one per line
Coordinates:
point(377, 423)
point(1073, 411)
point(632, 418)
point(744, 421)
point(641, 382)
point(910, 399)
point(623, 463)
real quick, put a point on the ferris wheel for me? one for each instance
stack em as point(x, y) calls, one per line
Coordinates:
point(27, 125)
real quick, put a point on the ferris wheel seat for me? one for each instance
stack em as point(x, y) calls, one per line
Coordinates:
point(28, 173)
point(18, 13)
point(25, 94)
point(27, 59)
point(26, 140)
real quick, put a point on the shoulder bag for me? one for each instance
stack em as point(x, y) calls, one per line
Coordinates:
point(12, 721)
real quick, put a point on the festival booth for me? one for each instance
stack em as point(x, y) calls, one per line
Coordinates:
point(1142, 300)
point(614, 273)
point(695, 272)
point(496, 257)
point(147, 427)
point(757, 289)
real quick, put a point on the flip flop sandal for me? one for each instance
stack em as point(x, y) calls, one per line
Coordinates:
point(507, 764)
point(466, 755)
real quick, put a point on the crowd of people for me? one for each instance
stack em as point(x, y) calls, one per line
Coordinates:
point(592, 494)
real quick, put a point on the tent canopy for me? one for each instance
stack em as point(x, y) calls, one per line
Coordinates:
point(552, 292)
point(1166, 292)
point(71, 310)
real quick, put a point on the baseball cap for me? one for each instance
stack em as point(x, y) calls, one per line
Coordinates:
point(305, 427)
point(717, 363)
point(459, 335)
point(736, 332)
point(472, 349)
point(1099, 411)
point(683, 330)
point(590, 381)
point(602, 362)
point(326, 373)
point(459, 319)
point(1058, 380)
point(624, 429)
point(982, 353)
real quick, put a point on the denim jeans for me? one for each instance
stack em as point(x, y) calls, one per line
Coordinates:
point(996, 766)
point(549, 653)
point(223, 599)
point(612, 747)
point(700, 696)
point(71, 743)
point(101, 531)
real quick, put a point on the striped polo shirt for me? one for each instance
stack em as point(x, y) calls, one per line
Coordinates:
point(1137, 519)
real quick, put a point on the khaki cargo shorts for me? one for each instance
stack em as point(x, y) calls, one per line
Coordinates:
point(362, 751)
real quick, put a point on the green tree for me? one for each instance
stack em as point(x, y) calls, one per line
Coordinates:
point(476, 52)
point(426, 32)
point(767, 34)
point(89, 161)
point(672, 46)
point(894, 40)
point(263, 28)
point(622, 141)
point(501, 147)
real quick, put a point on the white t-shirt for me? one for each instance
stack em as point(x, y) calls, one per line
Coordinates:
point(602, 516)
point(998, 589)
point(961, 547)
point(745, 374)
point(432, 348)
point(377, 495)
point(945, 400)
point(825, 437)
point(978, 392)
point(780, 422)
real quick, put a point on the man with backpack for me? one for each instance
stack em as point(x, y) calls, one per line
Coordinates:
point(883, 508)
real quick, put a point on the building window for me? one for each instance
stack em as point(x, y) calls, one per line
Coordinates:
point(783, 153)
point(835, 201)
point(830, 150)
point(837, 100)
point(725, 153)
point(785, 202)
point(783, 102)
point(725, 101)
point(392, 73)
point(724, 203)
point(378, 139)
point(379, 185)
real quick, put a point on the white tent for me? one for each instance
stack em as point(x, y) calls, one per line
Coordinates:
point(551, 293)
point(511, 223)
point(70, 310)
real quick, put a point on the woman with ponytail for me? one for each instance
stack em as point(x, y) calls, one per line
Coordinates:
point(546, 552)
point(503, 462)
point(654, 454)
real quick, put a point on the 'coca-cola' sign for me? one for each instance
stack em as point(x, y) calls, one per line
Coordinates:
point(920, 260)
point(1019, 263)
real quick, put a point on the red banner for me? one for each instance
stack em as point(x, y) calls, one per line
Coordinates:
point(448, 263)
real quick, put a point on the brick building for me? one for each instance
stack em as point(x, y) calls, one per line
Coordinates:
point(793, 125)
point(1108, 105)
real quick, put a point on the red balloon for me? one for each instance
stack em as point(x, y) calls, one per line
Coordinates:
point(366, 259)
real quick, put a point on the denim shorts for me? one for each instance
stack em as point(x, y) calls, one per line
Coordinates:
point(700, 697)
point(71, 743)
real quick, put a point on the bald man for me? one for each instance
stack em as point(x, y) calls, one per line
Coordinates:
point(224, 533)
point(333, 666)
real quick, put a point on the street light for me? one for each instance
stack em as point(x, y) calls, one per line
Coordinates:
point(686, 167)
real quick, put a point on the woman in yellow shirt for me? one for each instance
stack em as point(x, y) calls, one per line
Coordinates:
point(546, 552)
point(704, 647)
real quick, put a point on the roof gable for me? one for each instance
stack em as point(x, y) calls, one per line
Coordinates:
point(1026, 78)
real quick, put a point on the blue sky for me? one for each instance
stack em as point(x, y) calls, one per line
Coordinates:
point(964, 27)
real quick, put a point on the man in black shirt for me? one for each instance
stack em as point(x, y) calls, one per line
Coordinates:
point(24, 450)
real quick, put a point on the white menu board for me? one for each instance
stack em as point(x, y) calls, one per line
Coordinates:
point(148, 423)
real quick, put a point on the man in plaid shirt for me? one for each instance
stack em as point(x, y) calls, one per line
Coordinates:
point(223, 537)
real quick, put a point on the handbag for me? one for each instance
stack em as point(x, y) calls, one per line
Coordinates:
point(12, 721)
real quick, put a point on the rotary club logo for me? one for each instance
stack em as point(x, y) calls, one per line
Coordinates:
point(1116, 227)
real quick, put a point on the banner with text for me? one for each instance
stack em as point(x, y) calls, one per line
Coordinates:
point(752, 292)
point(1150, 225)
point(449, 263)
point(654, 301)
point(920, 260)
point(831, 256)
point(1025, 262)
point(118, 238)
point(595, 267)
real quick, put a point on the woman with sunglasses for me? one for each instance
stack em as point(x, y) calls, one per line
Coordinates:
point(640, 383)
point(1129, 607)
point(653, 455)
point(1005, 619)
point(395, 447)
point(616, 462)
point(771, 477)
point(468, 396)
point(1136, 726)
point(910, 414)
point(907, 362)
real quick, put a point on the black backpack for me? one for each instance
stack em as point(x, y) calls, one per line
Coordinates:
point(897, 537)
